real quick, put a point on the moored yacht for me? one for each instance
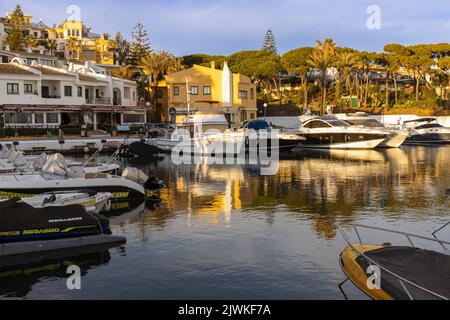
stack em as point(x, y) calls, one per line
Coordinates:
point(208, 134)
point(427, 131)
point(332, 133)
point(361, 119)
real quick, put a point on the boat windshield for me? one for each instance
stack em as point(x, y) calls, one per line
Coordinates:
point(372, 123)
point(338, 123)
point(430, 126)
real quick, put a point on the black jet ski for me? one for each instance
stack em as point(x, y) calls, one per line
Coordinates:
point(25, 229)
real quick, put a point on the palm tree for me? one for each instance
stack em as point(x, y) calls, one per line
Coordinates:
point(323, 58)
point(32, 42)
point(346, 62)
point(73, 45)
point(122, 73)
point(156, 65)
point(51, 45)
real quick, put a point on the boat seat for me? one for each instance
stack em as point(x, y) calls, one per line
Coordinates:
point(96, 176)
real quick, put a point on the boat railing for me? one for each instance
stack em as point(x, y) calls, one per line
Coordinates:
point(410, 238)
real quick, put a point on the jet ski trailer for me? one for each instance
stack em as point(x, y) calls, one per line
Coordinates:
point(403, 272)
point(24, 229)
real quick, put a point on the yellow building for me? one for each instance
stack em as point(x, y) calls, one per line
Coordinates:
point(91, 46)
point(210, 89)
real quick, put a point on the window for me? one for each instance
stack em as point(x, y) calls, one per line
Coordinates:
point(194, 90)
point(97, 93)
point(67, 91)
point(28, 88)
point(252, 93)
point(52, 118)
point(24, 118)
point(252, 116)
point(46, 62)
point(133, 118)
point(243, 116)
point(206, 90)
point(243, 95)
point(80, 91)
point(39, 118)
point(317, 124)
point(12, 88)
point(176, 90)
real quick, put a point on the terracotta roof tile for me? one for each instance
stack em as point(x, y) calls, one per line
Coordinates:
point(49, 71)
point(7, 68)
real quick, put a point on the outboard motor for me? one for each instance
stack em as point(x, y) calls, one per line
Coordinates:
point(154, 184)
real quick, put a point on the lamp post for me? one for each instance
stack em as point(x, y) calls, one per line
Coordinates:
point(265, 110)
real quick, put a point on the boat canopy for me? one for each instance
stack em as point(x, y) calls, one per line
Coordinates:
point(256, 125)
point(428, 269)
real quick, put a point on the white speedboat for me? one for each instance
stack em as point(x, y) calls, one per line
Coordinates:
point(93, 202)
point(15, 161)
point(427, 131)
point(22, 185)
point(332, 133)
point(362, 120)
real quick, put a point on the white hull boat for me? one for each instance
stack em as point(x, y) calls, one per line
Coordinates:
point(93, 202)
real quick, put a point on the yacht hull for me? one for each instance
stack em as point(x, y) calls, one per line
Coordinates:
point(393, 141)
point(433, 138)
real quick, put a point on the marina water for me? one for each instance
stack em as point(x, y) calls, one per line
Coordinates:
point(226, 232)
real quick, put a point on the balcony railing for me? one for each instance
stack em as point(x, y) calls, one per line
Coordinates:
point(51, 97)
point(98, 101)
point(117, 101)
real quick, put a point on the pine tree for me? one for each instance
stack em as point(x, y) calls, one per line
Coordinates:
point(270, 44)
point(15, 38)
point(140, 45)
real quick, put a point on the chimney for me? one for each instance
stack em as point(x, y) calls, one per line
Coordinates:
point(213, 65)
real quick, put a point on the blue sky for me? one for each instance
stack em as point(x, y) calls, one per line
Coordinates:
point(227, 26)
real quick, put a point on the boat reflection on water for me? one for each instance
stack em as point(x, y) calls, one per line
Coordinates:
point(18, 274)
point(321, 186)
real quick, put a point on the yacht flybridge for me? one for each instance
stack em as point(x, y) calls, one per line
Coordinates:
point(332, 133)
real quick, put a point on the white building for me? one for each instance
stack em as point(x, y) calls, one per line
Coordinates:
point(2, 34)
point(39, 96)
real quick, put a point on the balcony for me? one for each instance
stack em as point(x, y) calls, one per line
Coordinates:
point(117, 101)
point(98, 101)
point(51, 97)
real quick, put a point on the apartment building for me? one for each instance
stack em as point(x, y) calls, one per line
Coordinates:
point(89, 46)
point(209, 89)
point(41, 96)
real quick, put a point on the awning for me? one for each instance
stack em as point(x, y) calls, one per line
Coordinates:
point(65, 108)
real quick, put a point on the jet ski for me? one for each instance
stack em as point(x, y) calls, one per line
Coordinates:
point(390, 272)
point(25, 229)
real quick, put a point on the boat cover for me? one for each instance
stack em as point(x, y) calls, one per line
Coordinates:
point(428, 269)
point(21, 222)
point(55, 164)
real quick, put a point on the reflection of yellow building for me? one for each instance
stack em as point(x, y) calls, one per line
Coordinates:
point(210, 89)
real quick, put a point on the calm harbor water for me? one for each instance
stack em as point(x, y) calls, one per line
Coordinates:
point(225, 232)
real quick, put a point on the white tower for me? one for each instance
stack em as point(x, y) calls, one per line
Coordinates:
point(227, 86)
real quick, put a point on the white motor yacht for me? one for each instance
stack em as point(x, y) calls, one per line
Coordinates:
point(427, 131)
point(332, 133)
